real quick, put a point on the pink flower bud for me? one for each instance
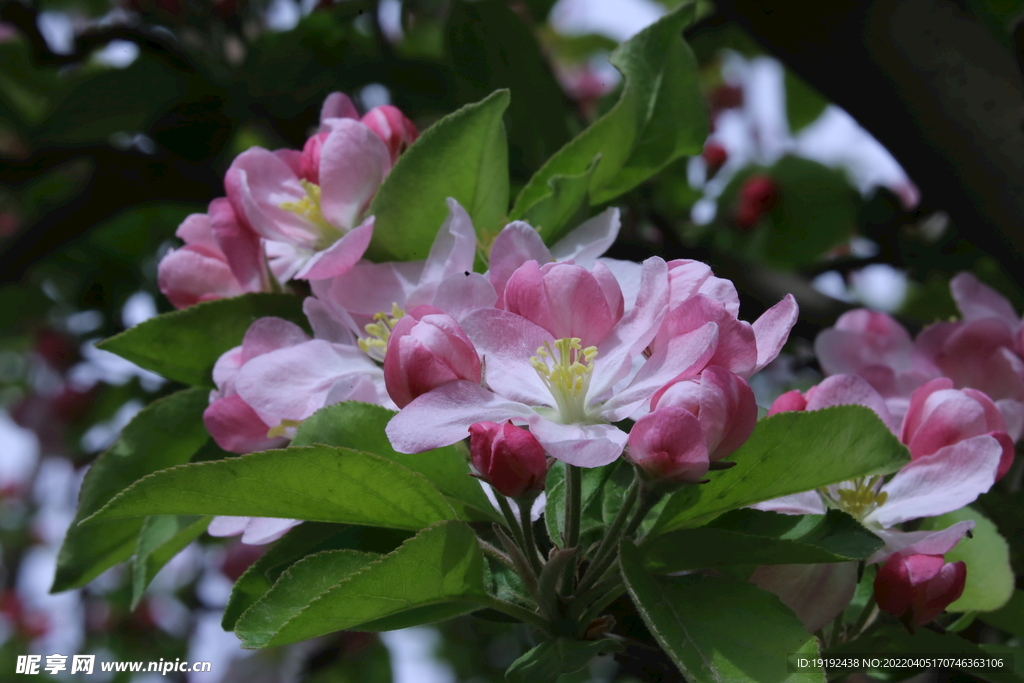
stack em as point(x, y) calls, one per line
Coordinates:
point(918, 588)
point(668, 445)
point(427, 349)
point(508, 457)
point(391, 126)
point(723, 404)
point(941, 416)
point(788, 402)
point(309, 165)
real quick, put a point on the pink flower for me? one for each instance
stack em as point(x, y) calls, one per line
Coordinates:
point(723, 404)
point(566, 392)
point(391, 126)
point(221, 258)
point(317, 224)
point(427, 349)
point(509, 458)
point(668, 445)
point(917, 588)
point(940, 416)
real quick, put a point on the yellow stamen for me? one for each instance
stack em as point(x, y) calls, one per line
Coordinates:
point(379, 332)
point(282, 429)
point(309, 208)
point(860, 500)
point(566, 370)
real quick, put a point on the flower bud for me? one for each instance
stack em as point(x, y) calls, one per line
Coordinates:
point(668, 445)
point(391, 126)
point(427, 349)
point(918, 588)
point(788, 402)
point(309, 164)
point(715, 156)
point(509, 458)
point(757, 196)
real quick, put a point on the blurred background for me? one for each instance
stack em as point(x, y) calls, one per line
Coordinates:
point(893, 131)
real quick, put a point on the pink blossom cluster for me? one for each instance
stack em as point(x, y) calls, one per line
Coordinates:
point(289, 213)
point(954, 397)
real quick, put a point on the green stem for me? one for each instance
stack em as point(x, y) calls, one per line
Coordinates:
point(494, 552)
point(513, 610)
point(510, 519)
point(573, 504)
point(837, 628)
point(865, 619)
point(611, 539)
point(529, 544)
point(595, 610)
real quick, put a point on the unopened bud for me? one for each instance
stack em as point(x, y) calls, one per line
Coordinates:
point(918, 588)
point(509, 458)
point(757, 196)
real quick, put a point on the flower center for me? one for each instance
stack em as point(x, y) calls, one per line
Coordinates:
point(566, 370)
point(376, 343)
point(282, 429)
point(859, 501)
point(309, 208)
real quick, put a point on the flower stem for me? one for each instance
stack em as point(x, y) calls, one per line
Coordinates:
point(571, 535)
point(514, 610)
point(529, 544)
point(598, 564)
point(510, 519)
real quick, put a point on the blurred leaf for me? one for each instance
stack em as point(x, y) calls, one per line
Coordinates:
point(990, 578)
point(804, 104)
point(718, 629)
point(360, 426)
point(660, 115)
point(315, 483)
point(436, 574)
point(160, 539)
point(165, 433)
point(1009, 617)
point(576, 48)
point(758, 537)
point(999, 16)
point(552, 658)
point(300, 541)
point(184, 345)
point(27, 90)
point(492, 48)
point(469, 145)
point(789, 453)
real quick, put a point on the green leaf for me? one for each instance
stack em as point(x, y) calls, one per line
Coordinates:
point(492, 48)
point(592, 483)
point(891, 639)
point(165, 433)
point(660, 116)
point(437, 574)
point(1009, 617)
point(990, 578)
point(160, 539)
point(360, 426)
point(757, 537)
point(184, 345)
point(789, 453)
point(717, 629)
point(469, 145)
point(804, 104)
point(316, 483)
point(552, 658)
point(551, 215)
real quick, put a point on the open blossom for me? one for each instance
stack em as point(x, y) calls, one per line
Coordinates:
point(221, 258)
point(917, 588)
point(508, 457)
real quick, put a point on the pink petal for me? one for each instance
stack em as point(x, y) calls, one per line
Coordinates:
point(976, 300)
point(806, 503)
point(353, 163)
point(772, 329)
point(338, 258)
point(325, 324)
point(844, 390)
point(506, 342)
point(196, 230)
point(516, 244)
point(579, 445)
point(292, 383)
point(452, 252)
point(186, 277)
point(261, 530)
point(939, 483)
point(257, 183)
point(668, 444)
point(370, 288)
point(269, 334)
point(443, 416)
point(817, 593)
point(462, 293)
point(236, 427)
point(728, 411)
point(685, 279)
point(241, 245)
point(919, 542)
point(737, 345)
point(585, 243)
point(337, 105)
point(1013, 414)
point(223, 525)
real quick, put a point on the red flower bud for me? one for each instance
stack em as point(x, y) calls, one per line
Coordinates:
point(715, 156)
point(425, 350)
point(918, 588)
point(668, 445)
point(509, 458)
point(757, 196)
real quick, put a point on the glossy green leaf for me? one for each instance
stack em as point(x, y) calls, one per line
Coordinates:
point(184, 345)
point(315, 483)
point(789, 453)
point(552, 658)
point(491, 47)
point(757, 537)
point(469, 145)
point(552, 214)
point(660, 115)
point(990, 578)
point(160, 539)
point(717, 629)
point(165, 433)
point(437, 574)
point(360, 426)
